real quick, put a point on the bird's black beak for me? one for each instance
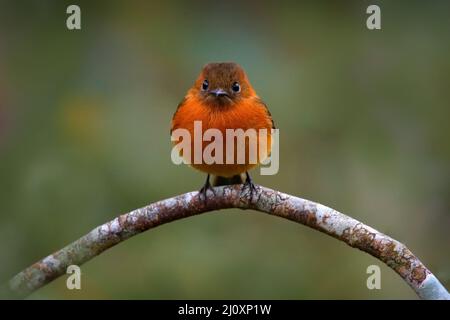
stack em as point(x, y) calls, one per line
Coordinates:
point(219, 92)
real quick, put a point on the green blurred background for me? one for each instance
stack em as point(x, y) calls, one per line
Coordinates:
point(84, 136)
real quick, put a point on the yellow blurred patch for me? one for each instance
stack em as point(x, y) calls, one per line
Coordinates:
point(82, 120)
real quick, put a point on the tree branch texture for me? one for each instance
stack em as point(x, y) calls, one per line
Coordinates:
point(314, 215)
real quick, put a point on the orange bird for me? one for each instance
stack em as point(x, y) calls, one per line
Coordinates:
point(222, 98)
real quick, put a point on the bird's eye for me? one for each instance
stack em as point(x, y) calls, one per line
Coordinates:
point(205, 85)
point(235, 87)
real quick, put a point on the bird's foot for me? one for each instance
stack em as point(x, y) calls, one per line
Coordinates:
point(248, 184)
point(203, 192)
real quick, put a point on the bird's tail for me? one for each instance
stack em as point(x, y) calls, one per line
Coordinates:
point(223, 181)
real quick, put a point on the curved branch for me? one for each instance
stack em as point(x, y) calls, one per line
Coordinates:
point(314, 215)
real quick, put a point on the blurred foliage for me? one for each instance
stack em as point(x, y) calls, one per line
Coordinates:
point(84, 136)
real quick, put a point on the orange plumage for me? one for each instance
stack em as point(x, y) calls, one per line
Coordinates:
point(223, 98)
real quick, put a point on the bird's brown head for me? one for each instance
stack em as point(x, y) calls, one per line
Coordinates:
point(222, 84)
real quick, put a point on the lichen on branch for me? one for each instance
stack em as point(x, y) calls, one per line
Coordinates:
point(317, 216)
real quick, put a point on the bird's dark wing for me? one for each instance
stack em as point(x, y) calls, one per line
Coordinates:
point(262, 103)
point(178, 108)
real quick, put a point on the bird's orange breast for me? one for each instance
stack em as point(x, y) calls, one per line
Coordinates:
point(246, 114)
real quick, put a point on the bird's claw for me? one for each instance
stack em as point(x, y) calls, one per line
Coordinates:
point(203, 192)
point(250, 185)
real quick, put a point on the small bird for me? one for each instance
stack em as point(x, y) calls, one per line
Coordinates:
point(222, 98)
